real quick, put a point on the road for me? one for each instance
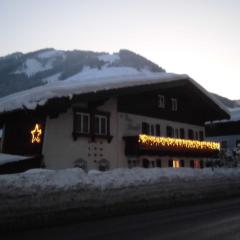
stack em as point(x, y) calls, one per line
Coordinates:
point(207, 221)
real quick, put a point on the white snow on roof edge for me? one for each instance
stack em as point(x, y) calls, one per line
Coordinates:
point(30, 99)
point(234, 114)
point(9, 158)
point(87, 83)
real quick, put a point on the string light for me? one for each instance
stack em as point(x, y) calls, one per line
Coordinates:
point(166, 143)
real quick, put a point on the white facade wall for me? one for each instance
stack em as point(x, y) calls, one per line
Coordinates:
point(61, 151)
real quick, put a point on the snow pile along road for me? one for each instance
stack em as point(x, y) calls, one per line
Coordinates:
point(37, 194)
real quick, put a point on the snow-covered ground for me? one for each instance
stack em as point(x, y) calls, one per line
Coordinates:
point(40, 192)
point(118, 178)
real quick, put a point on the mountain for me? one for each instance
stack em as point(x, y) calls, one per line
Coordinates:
point(20, 71)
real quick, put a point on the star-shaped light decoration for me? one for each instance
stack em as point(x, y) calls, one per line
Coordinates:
point(36, 134)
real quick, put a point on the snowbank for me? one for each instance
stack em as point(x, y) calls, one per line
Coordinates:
point(65, 179)
point(41, 192)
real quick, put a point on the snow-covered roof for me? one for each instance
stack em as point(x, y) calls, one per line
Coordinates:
point(89, 80)
point(235, 114)
point(8, 158)
point(118, 71)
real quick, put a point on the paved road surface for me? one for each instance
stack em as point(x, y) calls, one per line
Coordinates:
point(209, 221)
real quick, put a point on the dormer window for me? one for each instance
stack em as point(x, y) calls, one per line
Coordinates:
point(174, 104)
point(161, 101)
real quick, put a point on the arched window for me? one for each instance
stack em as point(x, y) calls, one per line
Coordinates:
point(103, 165)
point(80, 163)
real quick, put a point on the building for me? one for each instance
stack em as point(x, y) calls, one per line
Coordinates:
point(0, 140)
point(150, 121)
point(227, 132)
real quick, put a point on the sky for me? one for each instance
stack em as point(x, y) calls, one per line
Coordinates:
point(198, 37)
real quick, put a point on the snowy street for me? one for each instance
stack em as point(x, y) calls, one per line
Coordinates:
point(209, 221)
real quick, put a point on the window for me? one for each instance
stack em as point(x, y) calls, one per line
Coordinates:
point(158, 130)
point(182, 164)
point(201, 164)
point(161, 101)
point(201, 135)
point(159, 163)
point(196, 135)
point(182, 133)
point(152, 130)
point(190, 134)
point(169, 131)
point(153, 164)
point(191, 163)
point(197, 164)
point(133, 163)
point(145, 163)
point(176, 132)
point(100, 125)
point(224, 144)
point(176, 164)
point(80, 163)
point(103, 165)
point(145, 128)
point(174, 104)
point(82, 123)
point(91, 124)
point(170, 163)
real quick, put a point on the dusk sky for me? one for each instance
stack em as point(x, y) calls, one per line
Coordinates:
point(197, 37)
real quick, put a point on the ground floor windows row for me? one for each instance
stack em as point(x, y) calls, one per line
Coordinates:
point(172, 163)
point(103, 164)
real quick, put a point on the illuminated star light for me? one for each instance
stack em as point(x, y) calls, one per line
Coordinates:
point(36, 134)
